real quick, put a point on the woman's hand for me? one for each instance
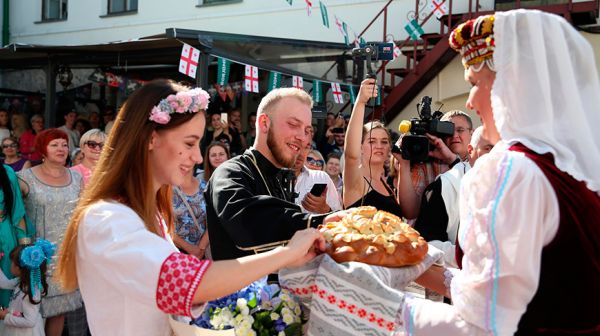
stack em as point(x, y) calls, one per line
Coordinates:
point(304, 246)
point(368, 90)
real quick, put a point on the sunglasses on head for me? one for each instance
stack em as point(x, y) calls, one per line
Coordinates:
point(315, 162)
point(94, 144)
point(12, 145)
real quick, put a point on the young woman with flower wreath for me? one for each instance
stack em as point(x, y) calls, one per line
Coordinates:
point(118, 247)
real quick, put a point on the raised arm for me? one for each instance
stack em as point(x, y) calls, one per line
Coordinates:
point(352, 148)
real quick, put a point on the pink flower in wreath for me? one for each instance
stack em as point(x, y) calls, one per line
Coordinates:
point(159, 116)
point(184, 103)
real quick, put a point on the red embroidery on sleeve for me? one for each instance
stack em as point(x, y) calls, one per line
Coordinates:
point(180, 275)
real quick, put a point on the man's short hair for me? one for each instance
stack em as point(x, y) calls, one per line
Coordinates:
point(457, 113)
point(272, 98)
point(476, 137)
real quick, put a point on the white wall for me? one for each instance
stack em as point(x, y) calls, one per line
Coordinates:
point(254, 17)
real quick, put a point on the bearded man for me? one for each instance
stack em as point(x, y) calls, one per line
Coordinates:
point(250, 198)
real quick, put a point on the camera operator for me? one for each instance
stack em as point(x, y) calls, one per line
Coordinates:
point(415, 177)
point(438, 219)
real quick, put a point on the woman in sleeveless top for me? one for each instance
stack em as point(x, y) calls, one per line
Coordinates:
point(364, 180)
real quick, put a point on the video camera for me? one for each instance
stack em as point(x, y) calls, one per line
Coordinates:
point(374, 52)
point(415, 146)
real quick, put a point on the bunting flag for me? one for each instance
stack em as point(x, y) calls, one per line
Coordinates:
point(337, 93)
point(113, 80)
point(345, 32)
point(324, 15)
point(274, 81)
point(132, 85)
point(308, 7)
point(356, 40)
point(379, 96)
point(414, 30)
point(438, 7)
point(397, 51)
point(317, 92)
point(223, 68)
point(251, 79)
point(298, 82)
point(338, 23)
point(289, 1)
point(352, 91)
point(188, 62)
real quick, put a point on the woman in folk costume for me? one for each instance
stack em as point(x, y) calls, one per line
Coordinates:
point(118, 247)
point(530, 209)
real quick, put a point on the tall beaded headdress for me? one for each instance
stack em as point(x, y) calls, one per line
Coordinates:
point(474, 40)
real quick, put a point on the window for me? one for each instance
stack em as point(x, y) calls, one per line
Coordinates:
point(54, 10)
point(118, 6)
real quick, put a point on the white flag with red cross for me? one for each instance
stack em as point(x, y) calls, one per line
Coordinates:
point(308, 7)
point(188, 62)
point(337, 93)
point(251, 79)
point(298, 82)
point(439, 8)
point(397, 51)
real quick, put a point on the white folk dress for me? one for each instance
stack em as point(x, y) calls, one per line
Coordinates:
point(508, 214)
point(130, 278)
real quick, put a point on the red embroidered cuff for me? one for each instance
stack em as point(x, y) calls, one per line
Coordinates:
point(180, 275)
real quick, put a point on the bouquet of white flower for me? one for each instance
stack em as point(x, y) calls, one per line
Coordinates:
point(257, 310)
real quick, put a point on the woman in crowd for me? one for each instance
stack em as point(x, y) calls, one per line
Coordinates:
point(27, 140)
point(366, 149)
point(123, 224)
point(82, 126)
point(216, 154)
point(19, 124)
point(51, 192)
point(12, 224)
point(220, 132)
point(314, 160)
point(12, 158)
point(189, 208)
point(91, 142)
point(5, 129)
point(530, 209)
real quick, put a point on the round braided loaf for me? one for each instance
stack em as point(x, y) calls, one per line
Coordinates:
point(373, 237)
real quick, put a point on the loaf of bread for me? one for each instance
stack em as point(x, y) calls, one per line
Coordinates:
point(373, 237)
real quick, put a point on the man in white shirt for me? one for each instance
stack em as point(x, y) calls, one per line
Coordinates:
point(327, 201)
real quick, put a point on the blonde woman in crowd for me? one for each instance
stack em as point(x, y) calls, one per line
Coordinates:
point(91, 143)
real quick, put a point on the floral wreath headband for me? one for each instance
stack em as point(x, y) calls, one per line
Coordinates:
point(32, 258)
point(474, 40)
point(190, 101)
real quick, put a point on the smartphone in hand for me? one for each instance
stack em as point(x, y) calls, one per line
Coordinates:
point(318, 189)
point(224, 118)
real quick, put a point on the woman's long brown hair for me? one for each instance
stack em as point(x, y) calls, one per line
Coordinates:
point(123, 172)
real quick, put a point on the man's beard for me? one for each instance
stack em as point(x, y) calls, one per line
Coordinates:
point(278, 151)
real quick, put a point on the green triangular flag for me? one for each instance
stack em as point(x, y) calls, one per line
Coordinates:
point(345, 29)
point(317, 92)
point(289, 1)
point(223, 68)
point(324, 15)
point(414, 30)
point(379, 96)
point(352, 92)
point(362, 41)
point(274, 81)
